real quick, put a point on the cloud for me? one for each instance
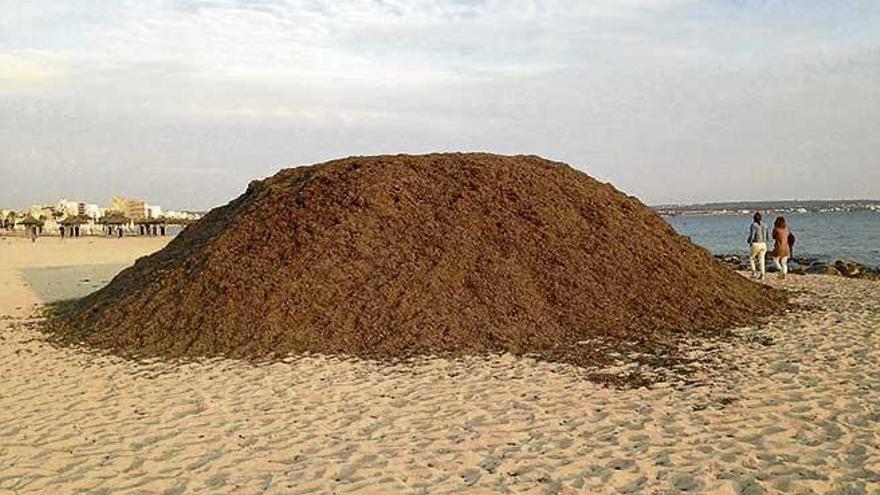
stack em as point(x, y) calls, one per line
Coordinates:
point(29, 71)
point(646, 93)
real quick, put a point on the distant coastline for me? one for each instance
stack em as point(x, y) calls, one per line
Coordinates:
point(747, 207)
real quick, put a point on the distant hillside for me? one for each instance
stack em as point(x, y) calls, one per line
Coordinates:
point(745, 207)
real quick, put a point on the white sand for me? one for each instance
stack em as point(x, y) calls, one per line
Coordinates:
point(798, 416)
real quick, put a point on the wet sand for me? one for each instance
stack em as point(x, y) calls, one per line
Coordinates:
point(791, 407)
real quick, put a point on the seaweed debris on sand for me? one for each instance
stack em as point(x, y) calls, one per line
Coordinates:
point(395, 256)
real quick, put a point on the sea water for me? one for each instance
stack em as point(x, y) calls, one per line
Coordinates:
point(827, 236)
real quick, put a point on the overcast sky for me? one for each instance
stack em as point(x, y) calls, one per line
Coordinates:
point(184, 102)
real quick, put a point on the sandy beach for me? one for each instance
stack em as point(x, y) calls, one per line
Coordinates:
point(789, 407)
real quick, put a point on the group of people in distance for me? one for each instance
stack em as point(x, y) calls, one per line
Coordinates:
point(69, 231)
point(758, 238)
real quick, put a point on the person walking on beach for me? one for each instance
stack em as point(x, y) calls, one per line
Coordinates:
point(758, 244)
point(782, 249)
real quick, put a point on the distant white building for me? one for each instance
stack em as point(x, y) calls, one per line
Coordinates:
point(182, 215)
point(69, 208)
point(153, 211)
point(92, 211)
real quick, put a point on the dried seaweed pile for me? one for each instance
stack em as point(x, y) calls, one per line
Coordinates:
point(393, 256)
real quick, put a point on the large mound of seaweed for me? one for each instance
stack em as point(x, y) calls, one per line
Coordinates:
point(393, 256)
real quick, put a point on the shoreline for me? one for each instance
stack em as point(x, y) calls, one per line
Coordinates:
point(807, 265)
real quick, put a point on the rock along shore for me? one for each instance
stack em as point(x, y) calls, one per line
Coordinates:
point(806, 265)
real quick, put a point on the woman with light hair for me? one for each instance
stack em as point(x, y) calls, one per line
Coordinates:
point(782, 249)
